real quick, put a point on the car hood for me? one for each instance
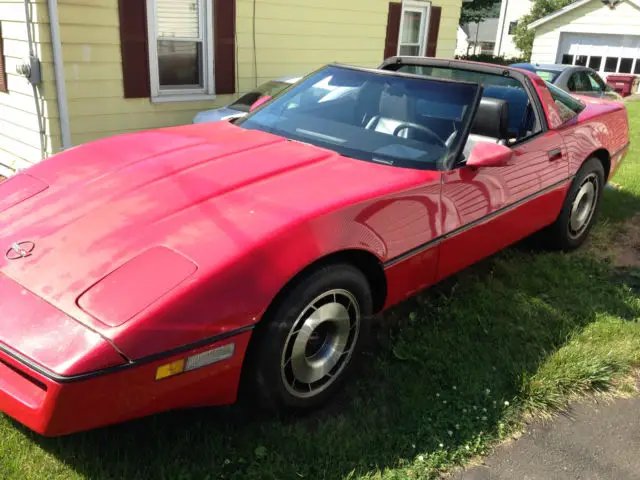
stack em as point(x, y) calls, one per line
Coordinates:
point(169, 203)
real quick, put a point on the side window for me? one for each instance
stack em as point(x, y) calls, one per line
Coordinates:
point(568, 106)
point(597, 85)
point(579, 82)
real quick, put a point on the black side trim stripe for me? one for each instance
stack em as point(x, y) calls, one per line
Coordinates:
point(463, 228)
point(628, 144)
point(105, 371)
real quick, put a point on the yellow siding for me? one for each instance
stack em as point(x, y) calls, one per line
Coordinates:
point(21, 141)
point(297, 36)
point(594, 17)
point(93, 73)
point(292, 37)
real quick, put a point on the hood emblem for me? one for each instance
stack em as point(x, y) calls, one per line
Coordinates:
point(20, 250)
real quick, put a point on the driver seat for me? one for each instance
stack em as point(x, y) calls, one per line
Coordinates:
point(491, 123)
point(393, 110)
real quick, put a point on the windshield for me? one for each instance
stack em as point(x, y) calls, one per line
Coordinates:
point(391, 119)
point(271, 88)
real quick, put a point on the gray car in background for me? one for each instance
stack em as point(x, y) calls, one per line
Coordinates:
point(572, 79)
point(242, 105)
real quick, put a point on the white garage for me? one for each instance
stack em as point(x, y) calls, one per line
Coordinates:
point(603, 35)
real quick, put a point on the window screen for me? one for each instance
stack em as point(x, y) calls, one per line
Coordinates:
point(611, 64)
point(625, 65)
point(595, 62)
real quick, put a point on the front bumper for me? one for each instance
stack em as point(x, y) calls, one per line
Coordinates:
point(53, 405)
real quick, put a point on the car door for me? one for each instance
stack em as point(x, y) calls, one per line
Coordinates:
point(489, 208)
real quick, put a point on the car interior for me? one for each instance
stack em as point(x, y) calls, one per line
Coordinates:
point(398, 115)
point(356, 114)
point(505, 114)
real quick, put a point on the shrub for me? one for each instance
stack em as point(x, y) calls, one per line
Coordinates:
point(489, 58)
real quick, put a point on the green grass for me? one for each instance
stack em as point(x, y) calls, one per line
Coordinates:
point(453, 371)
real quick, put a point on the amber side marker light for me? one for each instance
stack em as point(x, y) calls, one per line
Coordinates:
point(194, 362)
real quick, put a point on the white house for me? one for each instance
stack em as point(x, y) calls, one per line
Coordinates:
point(474, 38)
point(462, 42)
point(601, 34)
point(510, 13)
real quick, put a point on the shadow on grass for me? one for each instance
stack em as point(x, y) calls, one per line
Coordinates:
point(440, 372)
point(619, 204)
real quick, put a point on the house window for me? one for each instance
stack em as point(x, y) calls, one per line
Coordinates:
point(611, 64)
point(625, 65)
point(595, 62)
point(567, 59)
point(581, 60)
point(180, 48)
point(512, 27)
point(636, 70)
point(413, 28)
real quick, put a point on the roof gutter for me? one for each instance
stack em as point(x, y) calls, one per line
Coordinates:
point(58, 68)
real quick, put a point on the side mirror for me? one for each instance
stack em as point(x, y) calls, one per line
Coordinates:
point(260, 101)
point(488, 154)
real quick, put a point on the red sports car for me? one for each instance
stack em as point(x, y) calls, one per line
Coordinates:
point(169, 268)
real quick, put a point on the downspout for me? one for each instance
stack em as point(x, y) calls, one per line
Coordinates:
point(58, 68)
point(34, 87)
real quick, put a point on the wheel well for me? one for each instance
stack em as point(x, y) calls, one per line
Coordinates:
point(604, 157)
point(366, 262)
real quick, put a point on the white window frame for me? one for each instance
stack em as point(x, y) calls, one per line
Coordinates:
point(424, 8)
point(159, 95)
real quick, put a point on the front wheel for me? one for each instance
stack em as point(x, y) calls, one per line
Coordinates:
point(307, 345)
point(580, 208)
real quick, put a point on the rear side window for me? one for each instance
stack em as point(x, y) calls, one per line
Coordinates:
point(579, 82)
point(547, 75)
point(597, 85)
point(568, 106)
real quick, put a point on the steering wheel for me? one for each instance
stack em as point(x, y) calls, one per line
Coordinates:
point(416, 126)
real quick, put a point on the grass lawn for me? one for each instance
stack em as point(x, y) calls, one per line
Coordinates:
point(454, 370)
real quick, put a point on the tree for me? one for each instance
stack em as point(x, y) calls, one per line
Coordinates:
point(476, 11)
point(523, 38)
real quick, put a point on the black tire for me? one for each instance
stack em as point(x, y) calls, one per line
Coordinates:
point(266, 382)
point(559, 235)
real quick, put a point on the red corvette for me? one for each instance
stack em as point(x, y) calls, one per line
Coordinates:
point(168, 268)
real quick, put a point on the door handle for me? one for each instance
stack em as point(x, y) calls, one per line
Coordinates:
point(555, 154)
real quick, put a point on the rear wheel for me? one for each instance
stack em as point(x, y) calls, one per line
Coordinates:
point(307, 345)
point(580, 208)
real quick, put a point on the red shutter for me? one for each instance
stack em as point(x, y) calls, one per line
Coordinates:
point(434, 29)
point(393, 30)
point(3, 71)
point(134, 48)
point(224, 28)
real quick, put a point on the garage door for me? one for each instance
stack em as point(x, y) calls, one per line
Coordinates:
point(604, 53)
